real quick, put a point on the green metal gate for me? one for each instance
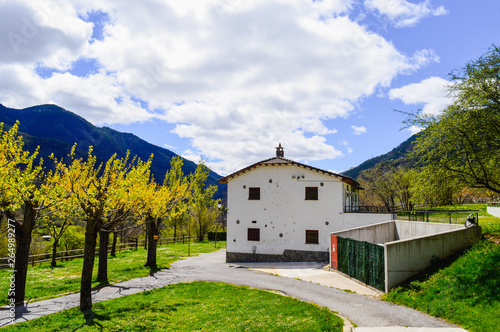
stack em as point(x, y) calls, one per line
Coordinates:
point(361, 260)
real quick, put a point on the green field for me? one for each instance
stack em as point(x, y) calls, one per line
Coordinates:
point(45, 282)
point(197, 306)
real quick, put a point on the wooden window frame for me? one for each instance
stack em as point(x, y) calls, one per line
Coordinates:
point(312, 236)
point(254, 193)
point(312, 194)
point(253, 234)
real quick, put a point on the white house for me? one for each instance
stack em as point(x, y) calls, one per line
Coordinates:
point(282, 210)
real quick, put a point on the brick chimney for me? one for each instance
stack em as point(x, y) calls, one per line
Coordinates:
point(279, 152)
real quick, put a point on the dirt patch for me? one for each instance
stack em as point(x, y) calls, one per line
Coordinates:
point(493, 238)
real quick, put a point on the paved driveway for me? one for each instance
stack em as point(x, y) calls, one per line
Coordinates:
point(362, 310)
point(313, 272)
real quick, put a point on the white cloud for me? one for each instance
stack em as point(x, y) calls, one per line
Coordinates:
point(414, 129)
point(48, 33)
point(358, 130)
point(98, 98)
point(431, 92)
point(402, 13)
point(234, 77)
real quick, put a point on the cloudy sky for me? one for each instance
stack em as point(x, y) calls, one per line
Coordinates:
point(227, 80)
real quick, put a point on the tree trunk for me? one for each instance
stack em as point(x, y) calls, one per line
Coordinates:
point(54, 252)
point(152, 225)
point(23, 243)
point(102, 271)
point(201, 235)
point(113, 246)
point(88, 266)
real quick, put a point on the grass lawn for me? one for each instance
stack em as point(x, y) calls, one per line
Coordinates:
point(45, 282)
point(197, 306)
point(465, 291)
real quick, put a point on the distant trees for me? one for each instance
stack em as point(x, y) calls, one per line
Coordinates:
point(202, 207)
point(388, 185)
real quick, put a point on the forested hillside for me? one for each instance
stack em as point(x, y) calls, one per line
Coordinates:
point(56, 130)
point(398, 153)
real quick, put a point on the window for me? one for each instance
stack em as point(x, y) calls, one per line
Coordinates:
point(254, 193)
point(312, 237)
point(311, 193)
point(254, 234)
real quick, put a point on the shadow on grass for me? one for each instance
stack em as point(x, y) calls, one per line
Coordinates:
point(58, 266)
point(90, 317)
point(111, 314)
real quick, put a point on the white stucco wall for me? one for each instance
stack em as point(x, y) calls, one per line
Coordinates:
point(282, 209)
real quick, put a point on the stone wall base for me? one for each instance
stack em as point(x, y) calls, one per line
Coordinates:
point(288, 256)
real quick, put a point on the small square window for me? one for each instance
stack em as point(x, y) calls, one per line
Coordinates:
point(254, 234)
point(254, 193)
point(311, 193)
point(312, 237)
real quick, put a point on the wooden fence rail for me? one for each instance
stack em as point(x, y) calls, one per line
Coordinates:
point(70, 254)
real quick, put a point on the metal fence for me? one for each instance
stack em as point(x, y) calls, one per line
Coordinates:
point(439, 216)
point(366, 209)
point(132, 243)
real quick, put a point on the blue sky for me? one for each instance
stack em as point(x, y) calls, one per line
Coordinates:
point(227, 80)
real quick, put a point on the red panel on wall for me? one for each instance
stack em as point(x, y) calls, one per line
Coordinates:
point(334, 249)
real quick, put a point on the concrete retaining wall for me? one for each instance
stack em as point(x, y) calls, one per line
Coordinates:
point(396, 230)
point(412, 246)
point(494, 211)
point(405, 258)
point(377, 233)
point(354, 220)
point(412, 229)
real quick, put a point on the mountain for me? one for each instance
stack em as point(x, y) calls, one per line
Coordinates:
point(56, 130)
point(399, 152)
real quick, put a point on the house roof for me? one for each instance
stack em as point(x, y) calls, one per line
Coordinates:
point(281, 161)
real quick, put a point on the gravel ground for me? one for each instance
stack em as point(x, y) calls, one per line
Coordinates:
point(362, 310)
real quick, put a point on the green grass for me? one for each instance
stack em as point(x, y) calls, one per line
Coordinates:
point(197, 306)
point(44, 282)
point(467, 292)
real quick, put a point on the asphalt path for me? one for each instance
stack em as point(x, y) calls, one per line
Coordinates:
point(362, 310)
